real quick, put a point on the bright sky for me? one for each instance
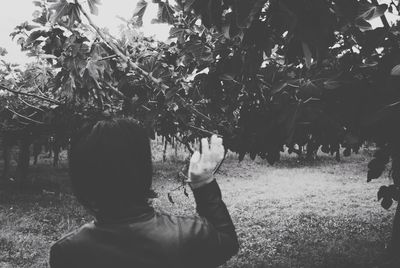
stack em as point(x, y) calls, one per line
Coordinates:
point(18, 11)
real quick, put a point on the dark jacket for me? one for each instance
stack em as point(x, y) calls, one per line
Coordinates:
point(154, 240)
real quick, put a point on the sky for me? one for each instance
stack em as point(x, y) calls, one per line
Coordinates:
point(18, 11)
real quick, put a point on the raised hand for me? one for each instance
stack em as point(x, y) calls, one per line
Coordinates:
point(202, 165)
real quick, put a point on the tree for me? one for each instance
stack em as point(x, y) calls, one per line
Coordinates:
point(265, 74)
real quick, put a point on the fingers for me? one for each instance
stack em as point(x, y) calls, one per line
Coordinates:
point(195, 157)
point(215, 141)
point(217, 148)
point(205, 148)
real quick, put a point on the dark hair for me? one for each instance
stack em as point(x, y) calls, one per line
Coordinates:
point(110, 164)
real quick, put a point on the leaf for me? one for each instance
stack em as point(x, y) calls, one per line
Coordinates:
point(170, 94)
point(63, 9)
point(201, 52)
point(346, 8)
point(368, 11)
point(185, 5)
point(331, 84)
point(149, 63)
point(396, 172)
point(387, 113)
point(307, 55)
point(383, 192)
point(34, 36)
point(59, 10)
point(351, 140)
point(37, 3)
point(395, 71)
point(373, 174)
point(227, 77)
point(3, 51)
point(247, 11)
point(379, 11)
point(363, 25)
point(30, 27)
point(139, 11)
point(165, 13)
point(170, 198)
point(68, 88)
point(178, 33)
point(41, 18)
point(93, 6)
point(393, 192)
point(281, 85)
point(94, 69)
point(387, 203)
point(373, 40)
point(21, 41)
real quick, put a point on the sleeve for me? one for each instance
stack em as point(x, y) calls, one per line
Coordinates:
point(57, 260)
point(213, 238)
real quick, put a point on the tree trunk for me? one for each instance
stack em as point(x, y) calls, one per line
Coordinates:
point(394, 248)
point(23, 159)
point(56, 157)
point(6, 158)
point(165, 150)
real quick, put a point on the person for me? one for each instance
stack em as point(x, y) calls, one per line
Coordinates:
point(111, 175)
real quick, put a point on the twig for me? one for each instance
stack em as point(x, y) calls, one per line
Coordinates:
point(116, 91)
point(30, 105)
point(108, 57)
point(194, 110)
point(31, 95)
point(146, 108)
point(185, 143)
point(119, 53)
point(204, 131)
point(121, 95)
point(220, 163)
point(24, 117)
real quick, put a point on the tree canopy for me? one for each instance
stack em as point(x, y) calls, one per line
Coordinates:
point(267, 75)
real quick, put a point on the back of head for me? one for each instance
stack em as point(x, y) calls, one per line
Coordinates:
point(110, 164)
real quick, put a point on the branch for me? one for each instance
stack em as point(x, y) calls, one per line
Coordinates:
point(194, 110)
point(204, 131)
point(122, 96)
point(108, 57)
point(186, 144)
point(220, 163)
point(24, 117)
point(116, 91)
point(31, 95)
point(30, 105)
point(118, 52)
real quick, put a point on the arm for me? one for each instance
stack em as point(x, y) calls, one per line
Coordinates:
point(215, 241)
point(212, 208)
point(56, 257)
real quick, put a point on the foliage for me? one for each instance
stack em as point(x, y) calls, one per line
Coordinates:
point(267, 75)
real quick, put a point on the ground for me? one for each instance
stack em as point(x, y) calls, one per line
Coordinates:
point(293, 214)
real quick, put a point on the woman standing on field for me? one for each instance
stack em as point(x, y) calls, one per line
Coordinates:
point(111, 175)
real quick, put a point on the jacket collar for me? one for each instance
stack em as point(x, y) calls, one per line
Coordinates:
point(128, 213)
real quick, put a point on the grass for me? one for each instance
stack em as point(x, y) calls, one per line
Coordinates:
point(294, 214)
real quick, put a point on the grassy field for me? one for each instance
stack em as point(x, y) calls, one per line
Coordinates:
point(294, 214)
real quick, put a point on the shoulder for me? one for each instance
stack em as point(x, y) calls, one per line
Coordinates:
point(180, 220)
point(187, 227)
point(69, 238)
point(60, 250)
